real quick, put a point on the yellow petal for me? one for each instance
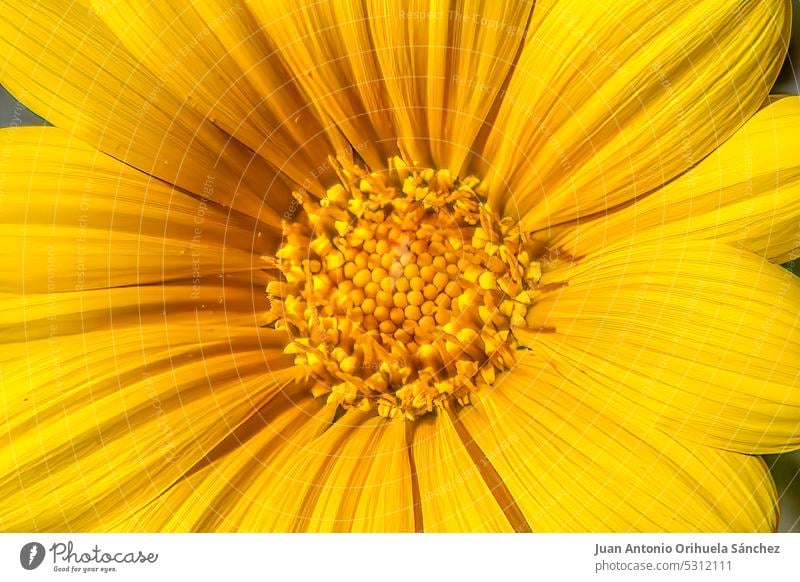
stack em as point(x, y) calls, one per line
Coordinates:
point(206, 496)
point(233, 301)
point(454, 495)
point(612, 99)
point(355, 476)
point(369, 487)
point(110, 394)
point(298, 471)
point(327, 48)
point(571, 467)
point(444, 64)
point(702, 339)
point(74, 218)
point(99, 423)
point(228, 70)
point(747, 192)
point(64, 63)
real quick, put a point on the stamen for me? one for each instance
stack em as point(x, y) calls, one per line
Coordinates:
point(402, 290)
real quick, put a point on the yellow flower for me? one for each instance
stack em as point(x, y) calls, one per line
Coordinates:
point(397, 266)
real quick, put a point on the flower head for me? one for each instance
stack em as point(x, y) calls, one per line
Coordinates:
point(376, 267)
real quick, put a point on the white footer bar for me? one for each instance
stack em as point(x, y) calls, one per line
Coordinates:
point(388, 557)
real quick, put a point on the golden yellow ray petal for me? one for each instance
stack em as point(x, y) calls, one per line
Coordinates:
point(453, 494)
point(234, 301)
point(701, 338)
point(74, 218)
point(570, 467)
point(203, 499)
point(443, 65)
point(612, 99)
point(352, 475)
point(100, 423)
point(56, 334)
point(228, 70)
point(747, 192)
point(64, 63)
point(327, 48)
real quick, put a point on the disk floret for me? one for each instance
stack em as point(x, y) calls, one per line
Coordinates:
point(402, 289)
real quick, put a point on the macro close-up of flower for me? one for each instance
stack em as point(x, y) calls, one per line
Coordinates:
point(395, 266)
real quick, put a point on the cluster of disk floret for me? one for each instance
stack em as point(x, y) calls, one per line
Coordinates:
point(401, 289)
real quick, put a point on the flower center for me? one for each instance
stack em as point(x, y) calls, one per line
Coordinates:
point(401, 289)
